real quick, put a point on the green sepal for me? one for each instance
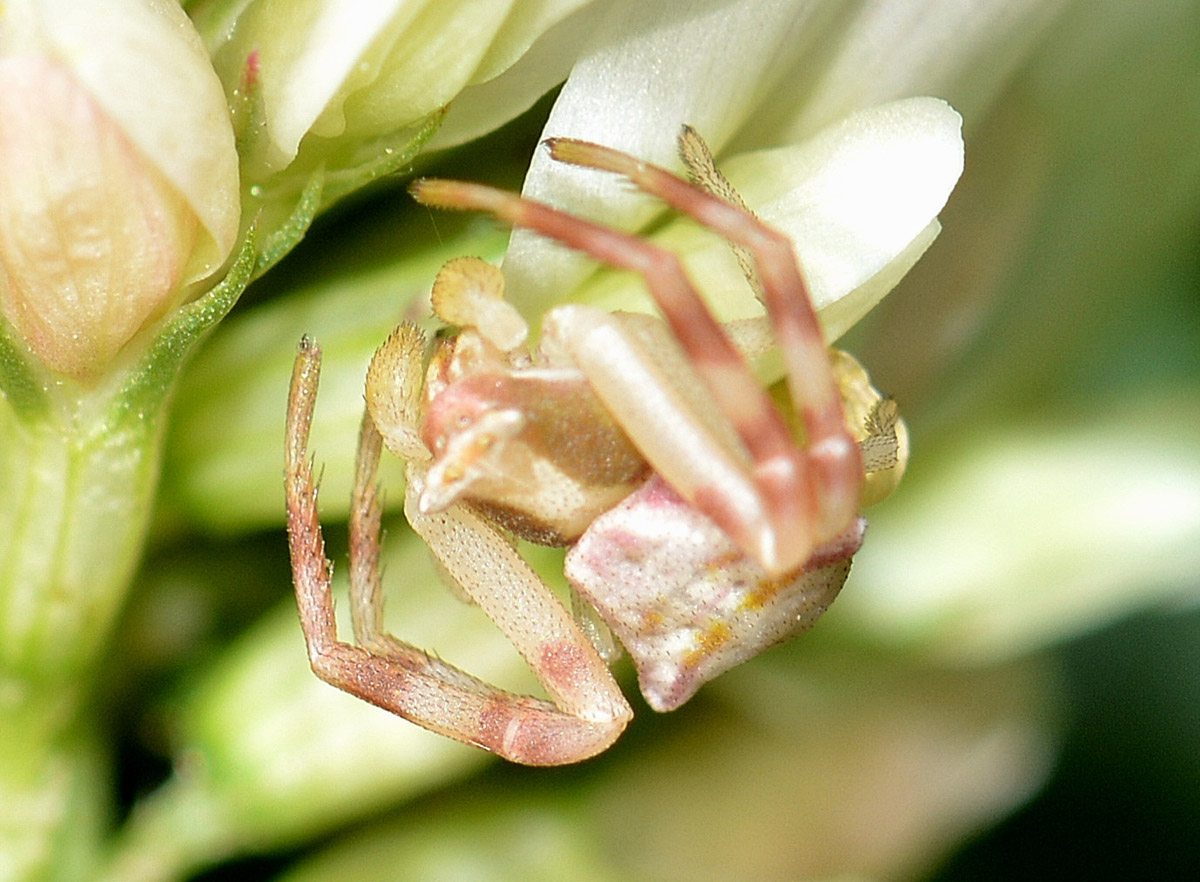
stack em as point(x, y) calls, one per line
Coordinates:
point(333, 178)
point(386, 155)
point(18, 384)
point(279, 241)
point(147, 385)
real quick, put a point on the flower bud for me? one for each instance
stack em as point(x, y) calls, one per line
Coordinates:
point(346, 73)
point(118, 177)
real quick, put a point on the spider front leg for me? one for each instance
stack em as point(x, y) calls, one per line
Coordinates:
point(589, 712)
point(831, 451)
point(785, 501)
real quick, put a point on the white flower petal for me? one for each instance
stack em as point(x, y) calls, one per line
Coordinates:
point(489, 103)
point(749, 75)
point(888, 49)
point(839, 316)
point(859, 200)
point(410, 72)
point(856, 195)
point(527, 22)
point(651, 68)
point(363, 69)
point(305, 60)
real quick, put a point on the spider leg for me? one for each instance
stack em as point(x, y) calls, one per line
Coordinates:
point(831, 450)
point(484, 563)
point(637, 369)
point(366, 526)
point(781, 474)
point(590, 712)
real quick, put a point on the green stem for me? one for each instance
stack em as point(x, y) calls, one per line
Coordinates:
point(77, 479)
point(72, 529)
point(76, 500)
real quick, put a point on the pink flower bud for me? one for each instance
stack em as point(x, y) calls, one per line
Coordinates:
point(118, 174)
point(93, 240)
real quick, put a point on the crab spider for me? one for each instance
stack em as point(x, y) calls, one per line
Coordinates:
point(698, 529)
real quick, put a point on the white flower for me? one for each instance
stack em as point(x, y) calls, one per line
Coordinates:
point(348, 71)
point(757, 74)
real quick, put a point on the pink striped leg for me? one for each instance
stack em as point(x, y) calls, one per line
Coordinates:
point(407, 681)
point(780, 474)
point(831, 450)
